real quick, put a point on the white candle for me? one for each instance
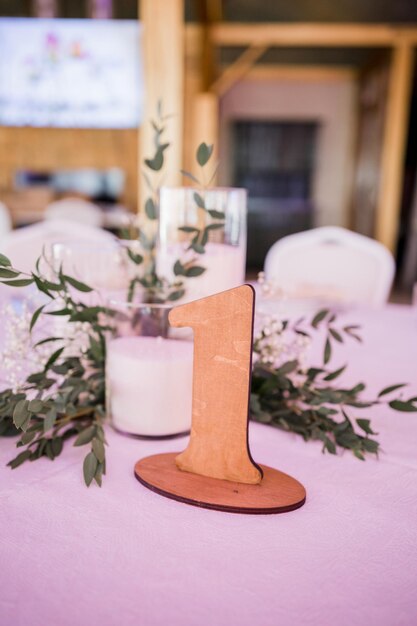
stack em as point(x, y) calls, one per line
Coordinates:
point(225, 268)
point(149, 382)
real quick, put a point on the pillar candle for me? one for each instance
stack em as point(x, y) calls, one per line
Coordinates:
point(149, 383)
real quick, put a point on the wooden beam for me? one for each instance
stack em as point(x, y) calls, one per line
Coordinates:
point(205, 125)
point(301, 34)
point(269, 71)
point(238, 69)
point(163, 63)
point(394, 144)
point(409, 35)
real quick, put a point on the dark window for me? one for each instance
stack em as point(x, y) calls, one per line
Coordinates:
point(275, 162)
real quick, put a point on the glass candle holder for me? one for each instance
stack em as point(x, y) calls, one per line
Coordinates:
point(148, 372)
point(103, 267)
point(202, 238)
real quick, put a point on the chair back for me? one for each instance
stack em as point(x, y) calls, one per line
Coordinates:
point(75, 210)
point(5, 221)
point(331, 263)
point(25, 245)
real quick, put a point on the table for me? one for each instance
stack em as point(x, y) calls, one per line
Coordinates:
point(124, 555)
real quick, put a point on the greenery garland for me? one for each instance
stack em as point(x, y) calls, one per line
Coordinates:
point(65, 400)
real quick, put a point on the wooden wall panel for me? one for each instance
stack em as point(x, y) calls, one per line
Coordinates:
point(49, 149)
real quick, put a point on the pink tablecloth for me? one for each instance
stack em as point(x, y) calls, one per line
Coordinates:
point(123, 555)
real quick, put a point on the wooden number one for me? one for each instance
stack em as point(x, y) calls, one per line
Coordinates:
point(218, 446)
point(223, 328)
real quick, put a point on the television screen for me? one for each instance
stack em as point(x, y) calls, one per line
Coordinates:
point(70, 73)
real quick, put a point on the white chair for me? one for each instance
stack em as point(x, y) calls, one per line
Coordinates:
point(331, 263)
point(5, 221)
point(25, 245)
point(75, 210)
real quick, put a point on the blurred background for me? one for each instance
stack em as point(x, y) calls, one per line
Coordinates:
point(312, 106)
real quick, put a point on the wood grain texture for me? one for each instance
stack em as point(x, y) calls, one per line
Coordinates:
point(277, 493)
point(223, 326)
point(51, 149)
point(163, 68)
point(394, 145)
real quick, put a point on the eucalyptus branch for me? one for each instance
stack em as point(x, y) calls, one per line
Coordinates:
point(65, 399)
point(305, 400)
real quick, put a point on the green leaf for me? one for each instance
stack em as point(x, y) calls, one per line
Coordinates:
point(358, 455)
point(4, 261)
point(327, 351)
point(98, 449)
point(194, 271)
point(35, 317)
point(319, 317)
point(4, 273)
point(214, 226)
point(28, 436)
point(349, 331)
point(49, 420)
point(188, 229)
point(65, 311)
point(358, 388)
point(150, 209)
point(48, 340)
point(179, 269)
point(335, 374)
point(388, 390)
point(79, 286)
point(287, 368)
point(204, 153)
point(347, 439)
point(405, 407)
point(336, 335)
point(21, 414)
point(56, 446)
point(365, 426)
point(329, 445)
point(199, 200)
point(205, 237)
point(46, 285)
point(54, 357)
point(136, 258)
point(21, 458)
point(20, 282)
point(198, 248)
point(370, 445)
point(157, 162)
point(313, 372)
point(89, 468)
point(190, 176)
point(85, 436)
point(89, 314)
point(176, 295)
point(35, 406)
point(96, 349)
point(99, 474)
point(218, 215)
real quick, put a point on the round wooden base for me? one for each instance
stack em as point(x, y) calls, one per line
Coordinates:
point(277, 493)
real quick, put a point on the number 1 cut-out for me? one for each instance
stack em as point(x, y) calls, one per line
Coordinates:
point(223, 328)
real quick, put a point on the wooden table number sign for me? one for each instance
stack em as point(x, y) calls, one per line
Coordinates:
point(216, 470)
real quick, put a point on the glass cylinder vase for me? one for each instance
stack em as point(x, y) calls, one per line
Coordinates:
point(103, 267)
point(202, 238)
point(148, 372)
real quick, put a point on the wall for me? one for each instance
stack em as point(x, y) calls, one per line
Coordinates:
point(331, 103)
point(48, 149)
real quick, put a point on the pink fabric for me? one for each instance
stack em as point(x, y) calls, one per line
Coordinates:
point(124, 555)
